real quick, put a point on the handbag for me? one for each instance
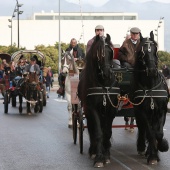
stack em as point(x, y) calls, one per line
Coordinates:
point(60, 91)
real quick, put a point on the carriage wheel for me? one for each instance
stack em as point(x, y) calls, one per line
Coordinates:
point(14, 101)
point(40, 102)
point(44, 96)
point(6, 102)
point(74, 119)
point(81, 128)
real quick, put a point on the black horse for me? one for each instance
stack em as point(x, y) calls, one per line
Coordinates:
point(150, 101)
point(97, 92)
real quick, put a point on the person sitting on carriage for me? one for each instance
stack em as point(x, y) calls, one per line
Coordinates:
point(99, 30)
point(12, 70)
point(20, 67)
point(32, 67)
point(78, 52)
point(4, 65)
point(127, 51)
point(126, 55)
point(37, 61)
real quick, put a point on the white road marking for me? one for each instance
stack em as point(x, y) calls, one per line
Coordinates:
point(60, 100)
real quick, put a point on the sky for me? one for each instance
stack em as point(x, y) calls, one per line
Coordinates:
point(31, 6)
point(102, 2)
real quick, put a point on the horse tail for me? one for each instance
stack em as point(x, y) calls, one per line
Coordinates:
point(163, 146)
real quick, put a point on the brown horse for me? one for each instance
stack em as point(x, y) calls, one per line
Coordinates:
point(31, 90)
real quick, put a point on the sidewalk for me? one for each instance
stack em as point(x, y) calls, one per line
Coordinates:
point(54, 88)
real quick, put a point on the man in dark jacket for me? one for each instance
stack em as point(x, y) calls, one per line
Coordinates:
point(126, 53)
point(78, 53)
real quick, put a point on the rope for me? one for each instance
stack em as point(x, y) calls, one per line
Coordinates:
point(82, 32)
point(136, 104)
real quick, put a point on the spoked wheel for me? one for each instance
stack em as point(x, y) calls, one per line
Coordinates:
point(40, 102)
point(6, 98)
point(81, 128)
point(74, 119)
point(44, 96)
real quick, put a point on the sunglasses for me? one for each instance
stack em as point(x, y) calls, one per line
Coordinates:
point(99, 30)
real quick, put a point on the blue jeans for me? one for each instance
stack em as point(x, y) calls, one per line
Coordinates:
point(48, 91)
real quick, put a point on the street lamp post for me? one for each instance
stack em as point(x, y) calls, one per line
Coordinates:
point(59, 43)
point(10, 20)
point(10, 26)
point(18, 13)
point(157, 30)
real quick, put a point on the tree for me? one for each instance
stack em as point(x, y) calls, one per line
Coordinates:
point(51, 56)
point(164, 58)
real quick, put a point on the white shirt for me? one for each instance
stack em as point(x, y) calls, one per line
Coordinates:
point(32, 68)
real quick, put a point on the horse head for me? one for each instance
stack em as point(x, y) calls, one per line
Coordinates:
point(32, 80)
point(68, 63)
point(146, 56)
point(100, 59)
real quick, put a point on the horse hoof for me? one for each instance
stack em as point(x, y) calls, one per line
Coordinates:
point(98, 165)
point(141, 153)
point(29, 113)
point(70, 126)
point(152, 162)
point(93, 156)
point(107, 161)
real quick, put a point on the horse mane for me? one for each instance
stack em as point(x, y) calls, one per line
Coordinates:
point(95, 53)
point(90, 70)
point(75, 69)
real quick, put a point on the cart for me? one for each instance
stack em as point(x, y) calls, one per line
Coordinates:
point(41, 62)
point(124, 77)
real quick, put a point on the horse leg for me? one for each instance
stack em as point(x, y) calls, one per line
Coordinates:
point(163, 145)
point(150, 135)
point(156, 140)
point(91, 131)
point(28, 104)
point(107, 133)
point(141, 139)
point(98, 137)
point(20, 103)
point(69, 108)
point(35, 96)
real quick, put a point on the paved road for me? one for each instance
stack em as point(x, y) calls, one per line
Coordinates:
point(44, 142)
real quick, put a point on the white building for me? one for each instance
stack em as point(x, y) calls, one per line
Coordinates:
point(43, 28)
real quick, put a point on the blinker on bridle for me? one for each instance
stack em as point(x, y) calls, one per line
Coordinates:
point(148, 43)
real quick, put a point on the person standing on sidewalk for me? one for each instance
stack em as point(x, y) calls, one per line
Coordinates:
point(166, 73)
point(47, 80)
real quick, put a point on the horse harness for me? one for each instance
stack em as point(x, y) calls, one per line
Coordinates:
point(104, 91)
point(153, 92)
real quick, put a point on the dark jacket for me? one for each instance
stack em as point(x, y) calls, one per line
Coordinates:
point(36, 68)
point(61, 79)
point(166, 72)
point(47, 80)
point(19, 70)
point(77, 51)
point(127, 52)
